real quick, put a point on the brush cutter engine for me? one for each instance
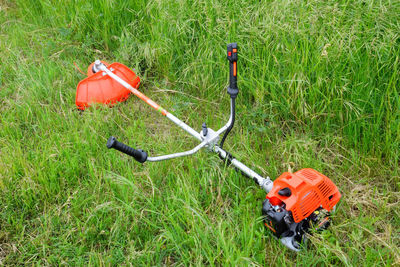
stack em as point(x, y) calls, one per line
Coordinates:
point(295, 202)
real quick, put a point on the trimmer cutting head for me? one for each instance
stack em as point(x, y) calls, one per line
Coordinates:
point(101, 88)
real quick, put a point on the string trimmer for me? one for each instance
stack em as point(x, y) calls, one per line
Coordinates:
point(295, 202)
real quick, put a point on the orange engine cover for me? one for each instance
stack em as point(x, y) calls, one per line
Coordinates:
point(100, 88)
point(309, 190)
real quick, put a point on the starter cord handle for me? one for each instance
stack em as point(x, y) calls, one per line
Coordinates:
point(138, 154)
point(232, 57)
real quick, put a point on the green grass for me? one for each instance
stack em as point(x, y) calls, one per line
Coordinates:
point(319, 87)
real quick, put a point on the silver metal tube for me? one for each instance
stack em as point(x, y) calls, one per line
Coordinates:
point(265, 183)
point(184, 126)
point(171, 117)
point(180, 154)
point(191, 131)
point(186, 153)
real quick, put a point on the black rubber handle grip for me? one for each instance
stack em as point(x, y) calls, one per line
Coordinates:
point(138, 154)
point(232, 57)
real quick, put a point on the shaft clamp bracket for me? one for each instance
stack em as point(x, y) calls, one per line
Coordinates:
point(212, 136)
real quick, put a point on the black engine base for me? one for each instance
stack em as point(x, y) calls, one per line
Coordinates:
point(280, 221)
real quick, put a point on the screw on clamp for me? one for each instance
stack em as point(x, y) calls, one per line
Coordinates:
point(204, 129)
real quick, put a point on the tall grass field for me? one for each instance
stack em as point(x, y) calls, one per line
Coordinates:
point(319, 88)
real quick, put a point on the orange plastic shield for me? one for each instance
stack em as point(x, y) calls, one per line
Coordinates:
point(101, 88)
point(309, 190)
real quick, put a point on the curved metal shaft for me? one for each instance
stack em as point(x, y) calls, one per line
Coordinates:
point(194, 150)
point(180, 154)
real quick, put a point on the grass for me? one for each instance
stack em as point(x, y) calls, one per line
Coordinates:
point(319, 87)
